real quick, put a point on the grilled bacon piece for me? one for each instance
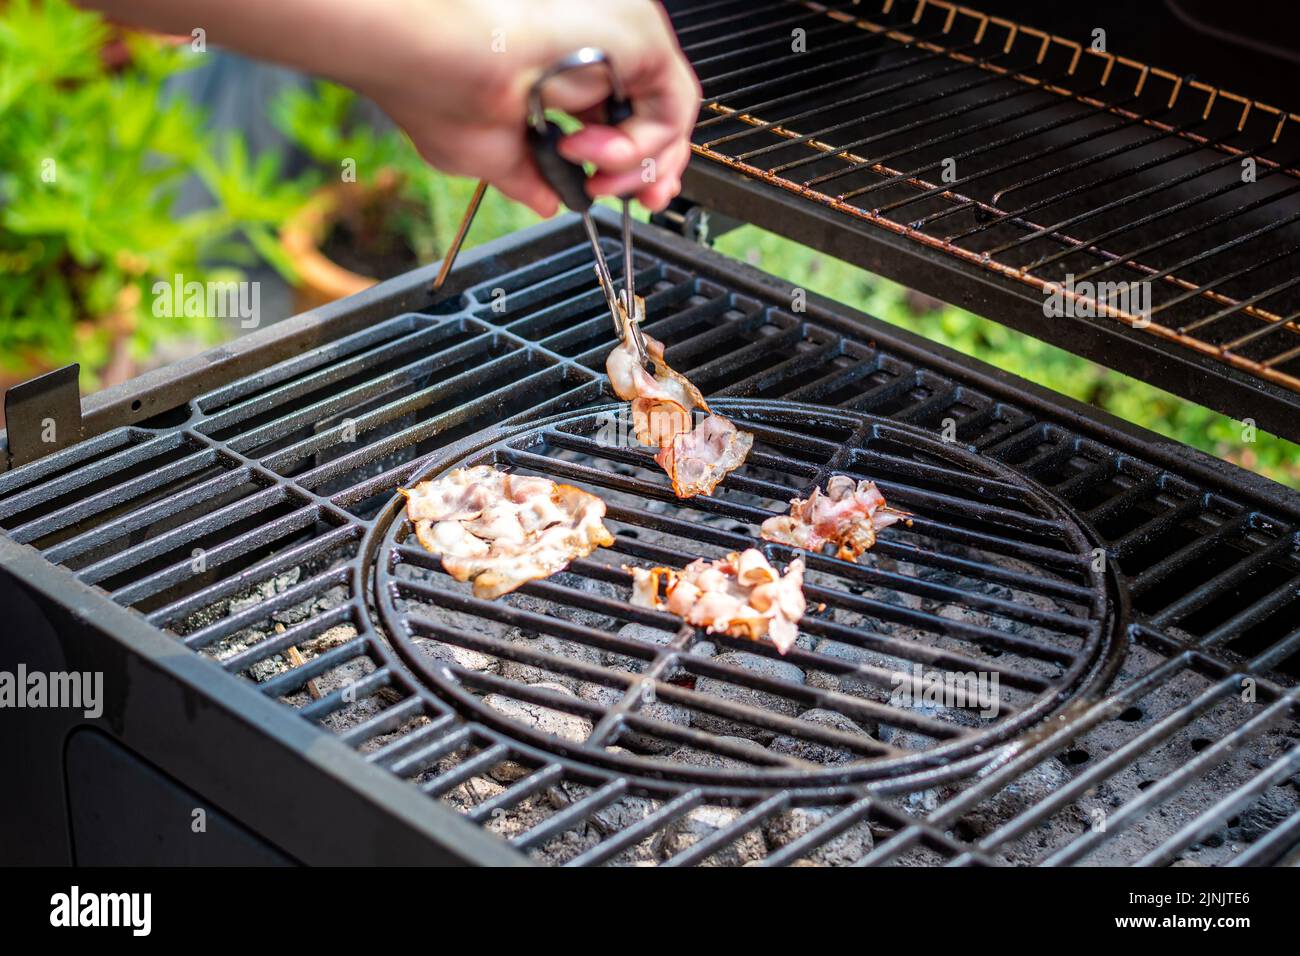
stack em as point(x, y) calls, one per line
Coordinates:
point(696, 458)
point(848, 516)
point(501, 530)
point(661, 403)
point(740, 595)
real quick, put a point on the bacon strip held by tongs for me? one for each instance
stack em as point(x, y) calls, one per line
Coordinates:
point(741, 595)
point(697, 460)
point(696, 457)
point(501, 530)
point(848, 516)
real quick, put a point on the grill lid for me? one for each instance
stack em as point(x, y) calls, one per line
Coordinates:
point(1145, 219)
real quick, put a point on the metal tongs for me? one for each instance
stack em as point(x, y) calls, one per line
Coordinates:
point(569, 180)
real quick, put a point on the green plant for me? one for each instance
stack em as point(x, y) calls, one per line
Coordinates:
point(323, 121)
point(89, 176)
point(1022, 355)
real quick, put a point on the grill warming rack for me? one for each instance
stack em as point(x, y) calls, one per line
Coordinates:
point(276, 479)
point(1025, 158)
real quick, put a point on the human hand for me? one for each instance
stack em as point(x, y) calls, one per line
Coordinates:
point(459, 88)
point(455, 75)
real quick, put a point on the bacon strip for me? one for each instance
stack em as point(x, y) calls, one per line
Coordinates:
point(741, 595)
point(848, 516)
point(696, 458)
point(661, 403)
point(501, 530)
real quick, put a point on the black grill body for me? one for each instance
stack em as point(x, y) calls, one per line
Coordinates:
point(278, 459)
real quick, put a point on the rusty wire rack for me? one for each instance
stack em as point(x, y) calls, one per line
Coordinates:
point(1116, 189)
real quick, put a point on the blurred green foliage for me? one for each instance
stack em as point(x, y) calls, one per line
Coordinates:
point(91, 167)
point(1020, 354)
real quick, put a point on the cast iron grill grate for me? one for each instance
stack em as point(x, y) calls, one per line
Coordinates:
point(1028, 156)
point(989, 576)
point(244, 531)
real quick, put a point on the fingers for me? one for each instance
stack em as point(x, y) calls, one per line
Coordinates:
point(525, 184)
point(609, 148)
point(626, 147)
point(653, 183)
point(668, 183)
point(644, 155)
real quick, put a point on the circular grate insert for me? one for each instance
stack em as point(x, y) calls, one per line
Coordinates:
point(991, 591)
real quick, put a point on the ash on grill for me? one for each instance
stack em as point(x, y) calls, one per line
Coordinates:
point(785, 827)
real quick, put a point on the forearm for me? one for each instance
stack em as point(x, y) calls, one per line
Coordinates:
point(330, 37)
point(454, 75)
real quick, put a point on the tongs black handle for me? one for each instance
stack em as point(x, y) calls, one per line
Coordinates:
point(568, 179)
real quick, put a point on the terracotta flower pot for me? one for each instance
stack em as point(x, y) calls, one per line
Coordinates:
point(121, 326)
point(320, 279)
